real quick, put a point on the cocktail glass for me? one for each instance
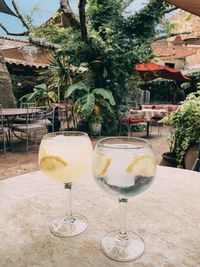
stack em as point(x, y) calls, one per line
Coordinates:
point(123, 167)
point(65, 157)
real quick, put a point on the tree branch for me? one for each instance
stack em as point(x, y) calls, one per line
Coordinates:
point(66, 9)
point(12, 33)
point(84, 34)
point(21, 16)
point(171, 35)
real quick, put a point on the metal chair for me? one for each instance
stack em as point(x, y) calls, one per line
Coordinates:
point(47, 117)
point(129, 119)
point(158, 122)
point(4, 133)
point(33, 129)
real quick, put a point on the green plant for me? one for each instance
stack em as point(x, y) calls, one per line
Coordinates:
point(185, 127)
point(58, 74)
point(87, 99)
point(41, 94)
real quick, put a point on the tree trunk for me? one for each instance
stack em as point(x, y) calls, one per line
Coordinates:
point(7, 98)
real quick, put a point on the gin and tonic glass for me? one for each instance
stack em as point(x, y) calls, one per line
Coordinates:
point(123, 167)
point(65, 157)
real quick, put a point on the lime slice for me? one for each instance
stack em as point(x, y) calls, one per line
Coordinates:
point(101, 164)
point(52, 163)
point(143, 164)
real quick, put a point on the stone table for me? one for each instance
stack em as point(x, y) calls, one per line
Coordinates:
point(167, 216)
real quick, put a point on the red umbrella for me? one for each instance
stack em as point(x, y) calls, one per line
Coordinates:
point(151, 71)
point(192, 6)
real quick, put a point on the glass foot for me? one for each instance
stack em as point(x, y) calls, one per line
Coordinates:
point(64, 227)
point(128, 250)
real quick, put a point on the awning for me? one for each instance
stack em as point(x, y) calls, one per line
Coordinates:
point(5, 9)
point(152, 71)
point(192, 6)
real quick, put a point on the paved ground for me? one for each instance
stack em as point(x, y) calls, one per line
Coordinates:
point(18, 162)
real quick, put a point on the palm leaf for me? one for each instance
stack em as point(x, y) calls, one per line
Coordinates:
point(105, 94)
point(25, 97)
point(80, 86)
point(41, 87)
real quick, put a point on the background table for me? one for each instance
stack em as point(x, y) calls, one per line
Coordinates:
point(148, 114)
point(9, 112)
point(167, 216)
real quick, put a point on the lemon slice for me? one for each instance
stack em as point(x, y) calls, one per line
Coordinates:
point(101, 164)
point(52, 163)
point(143, 165)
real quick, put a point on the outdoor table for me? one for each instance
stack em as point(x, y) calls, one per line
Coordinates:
point(167, 216)
point(168, 107)
point(11, 113)
point(148, 114)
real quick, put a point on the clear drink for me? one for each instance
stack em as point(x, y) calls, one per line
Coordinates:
point(124, 167)
point(122, 171)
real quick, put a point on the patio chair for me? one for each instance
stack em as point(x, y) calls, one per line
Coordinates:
point(158, 122)
point(27, 105)
point(128, 120)
point(47, 117)
point(4, 133)
point(33, 129)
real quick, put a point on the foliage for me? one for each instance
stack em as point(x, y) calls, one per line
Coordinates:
point(57, 75)
point(185, 127)
point(41, 94)
point(89, 98)
point(115, 39)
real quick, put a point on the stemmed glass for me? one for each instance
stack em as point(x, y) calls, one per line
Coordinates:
point(123, 167)
point(65, 157)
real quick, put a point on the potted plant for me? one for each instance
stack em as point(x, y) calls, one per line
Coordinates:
point(41, 94)
point(95, 124)
point(89, 103)
point(185, 128)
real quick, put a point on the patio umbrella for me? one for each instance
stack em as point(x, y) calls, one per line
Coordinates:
point(5, 9)
point(151, 71)
point(192, 6)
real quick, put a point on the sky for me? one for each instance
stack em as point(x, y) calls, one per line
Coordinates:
point(46, 9)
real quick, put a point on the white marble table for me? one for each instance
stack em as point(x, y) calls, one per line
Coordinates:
point(167, 216)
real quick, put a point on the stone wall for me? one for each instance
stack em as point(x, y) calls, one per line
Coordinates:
point(7, 98)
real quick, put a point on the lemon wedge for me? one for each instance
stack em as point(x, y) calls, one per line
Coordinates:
point(143, 164)
point(52, 163)
point(101, 164)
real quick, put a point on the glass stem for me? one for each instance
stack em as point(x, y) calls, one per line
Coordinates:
point(68, 187)
point(123, 237)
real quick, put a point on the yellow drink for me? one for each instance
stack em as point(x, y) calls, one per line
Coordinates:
point(65, 158)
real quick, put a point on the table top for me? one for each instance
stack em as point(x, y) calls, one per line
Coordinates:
point(149, 113)
point(18, 111)
point(168, 107)
point(167, 216)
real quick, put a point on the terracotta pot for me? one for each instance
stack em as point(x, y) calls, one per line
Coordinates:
point(191, 156)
